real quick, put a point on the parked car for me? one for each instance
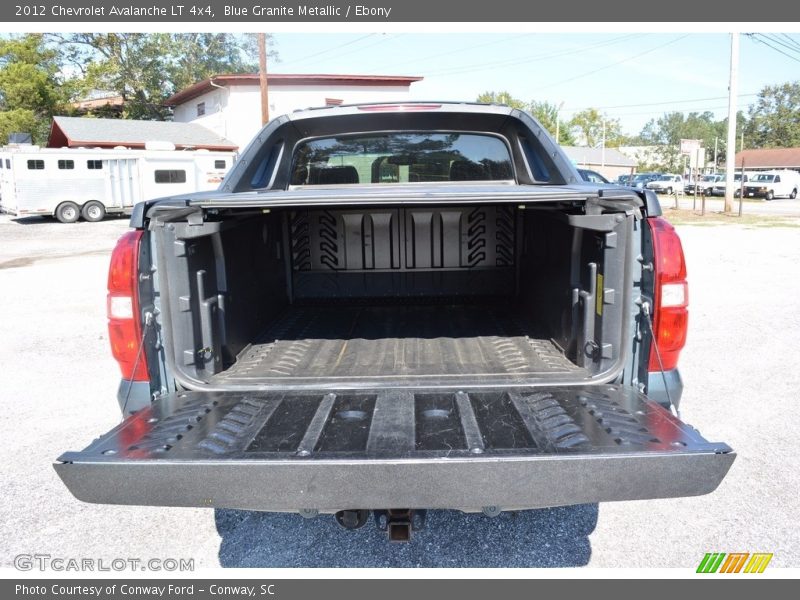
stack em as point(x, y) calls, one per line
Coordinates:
point(666, 183)
point(318, 336)
point(704, 185)
point(640, 180)
point(592, 176)
point(624, 180)
point(773, 184)
point(720, 186)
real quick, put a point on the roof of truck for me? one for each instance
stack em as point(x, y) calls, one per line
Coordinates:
point(401, 106)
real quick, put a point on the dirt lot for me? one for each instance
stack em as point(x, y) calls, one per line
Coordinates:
point(59, 384)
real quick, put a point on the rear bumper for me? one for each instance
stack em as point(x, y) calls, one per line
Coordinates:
point(536, 449)
point(466, 484)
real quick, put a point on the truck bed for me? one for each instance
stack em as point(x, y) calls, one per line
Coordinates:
point(378, 341)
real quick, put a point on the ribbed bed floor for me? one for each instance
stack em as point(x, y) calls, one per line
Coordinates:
point(310, 342)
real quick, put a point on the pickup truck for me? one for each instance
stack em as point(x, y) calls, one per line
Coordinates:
point(666, 184)
point(395, 308)
point(705, 185)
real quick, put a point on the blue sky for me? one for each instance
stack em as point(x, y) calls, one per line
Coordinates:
point(654, 72)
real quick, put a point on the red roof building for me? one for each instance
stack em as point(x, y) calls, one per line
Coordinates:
point(769, 158)
point(230, 105)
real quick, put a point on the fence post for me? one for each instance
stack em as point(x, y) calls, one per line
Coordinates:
point(741, 190)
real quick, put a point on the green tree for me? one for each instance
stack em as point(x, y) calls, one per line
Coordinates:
point(196, 56)
point(502, 98)
point(547, 114)
point(593, 127)
point(544, 112)
point(774, 119)
point(668, 130)
point(31, 91)
point(146, 68)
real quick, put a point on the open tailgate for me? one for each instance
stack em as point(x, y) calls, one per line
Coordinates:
point(329, 451)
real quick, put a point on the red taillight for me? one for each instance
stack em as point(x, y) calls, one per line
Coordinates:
point(124, 320)
point(670, 312)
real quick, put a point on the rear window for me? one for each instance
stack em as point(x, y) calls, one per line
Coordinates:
point(401, 158)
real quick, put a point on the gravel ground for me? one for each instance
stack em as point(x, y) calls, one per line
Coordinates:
point(59, 383)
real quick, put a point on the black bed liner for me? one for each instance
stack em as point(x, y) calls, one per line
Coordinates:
point(466, 449)
point(392, 340)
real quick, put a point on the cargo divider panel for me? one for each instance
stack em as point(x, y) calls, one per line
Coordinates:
point(517, 448)
point(406, 252)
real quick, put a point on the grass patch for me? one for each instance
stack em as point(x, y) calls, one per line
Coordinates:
point(712, 218)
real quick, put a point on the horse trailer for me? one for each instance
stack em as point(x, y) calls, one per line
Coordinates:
point(70, 183)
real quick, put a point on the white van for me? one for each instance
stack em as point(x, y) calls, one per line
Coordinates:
point(773, 184)
point(720, 186)
point(70, 183)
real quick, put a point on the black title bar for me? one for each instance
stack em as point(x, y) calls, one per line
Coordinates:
point(394, 11)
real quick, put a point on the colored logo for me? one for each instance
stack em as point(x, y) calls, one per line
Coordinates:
point(734, 562)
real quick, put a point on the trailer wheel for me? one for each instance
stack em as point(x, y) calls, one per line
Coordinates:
point(67, 212)
point(93, 211)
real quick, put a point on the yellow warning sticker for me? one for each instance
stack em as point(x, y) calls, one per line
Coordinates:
point(598, 302)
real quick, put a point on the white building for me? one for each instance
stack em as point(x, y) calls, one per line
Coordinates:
point(230, 105)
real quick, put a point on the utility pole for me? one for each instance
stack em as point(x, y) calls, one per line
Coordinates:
point(558, 122)
point(716, 141)
point(730, 156)
point(603, 146)
point(262, 77)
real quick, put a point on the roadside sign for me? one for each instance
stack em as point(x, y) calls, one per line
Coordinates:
point(690, 147)
point(697, 159)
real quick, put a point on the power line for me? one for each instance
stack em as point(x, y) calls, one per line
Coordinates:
point(656, 103)
point(471, 68)
point(757, 37)
point(517, 61)
point(782, 43)
point(455, 51)
point(362, 48)
point(791, 40)
point(328, 50)
point(684, 110)
point(614, 64)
